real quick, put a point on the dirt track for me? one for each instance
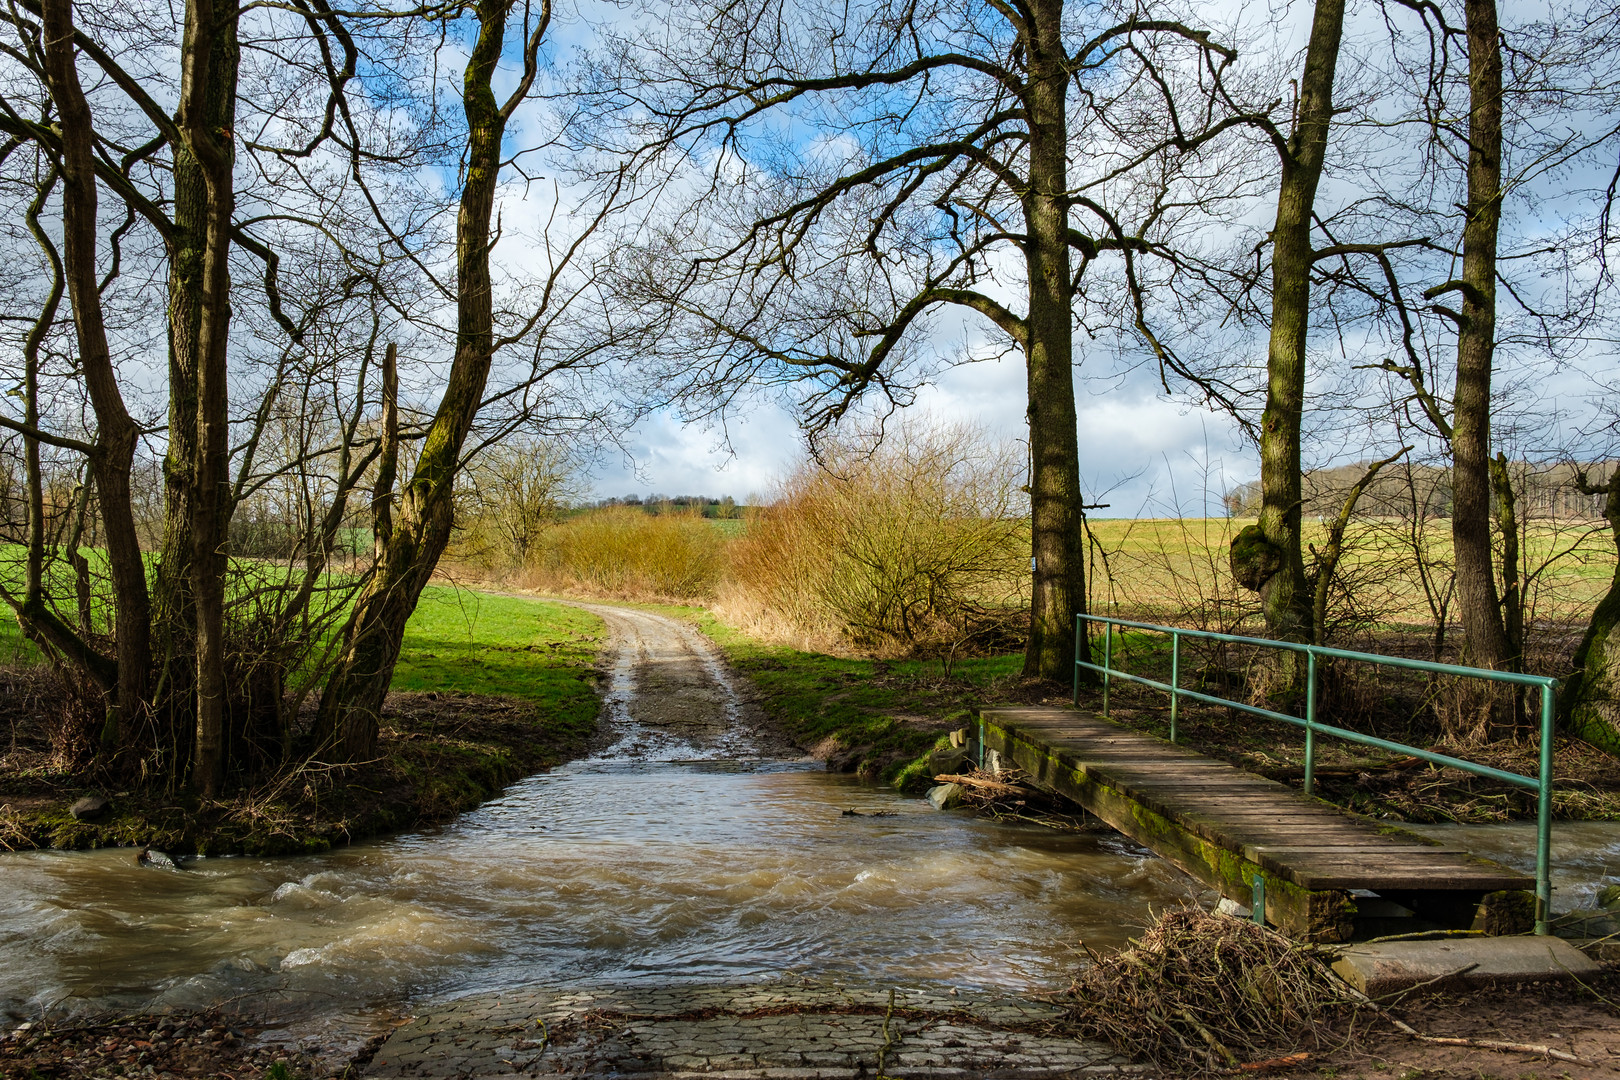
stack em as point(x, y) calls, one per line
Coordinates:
point(671, 694)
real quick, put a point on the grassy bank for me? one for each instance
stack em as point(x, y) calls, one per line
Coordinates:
point(488, 689)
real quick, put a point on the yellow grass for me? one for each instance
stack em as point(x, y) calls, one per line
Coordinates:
point(1170, 567)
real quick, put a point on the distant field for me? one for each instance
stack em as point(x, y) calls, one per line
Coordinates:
point(1167, 566)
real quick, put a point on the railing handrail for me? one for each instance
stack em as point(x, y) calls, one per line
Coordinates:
point(1548, 685)
point(1343, 654)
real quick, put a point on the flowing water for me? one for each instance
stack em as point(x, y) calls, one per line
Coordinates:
point(687, 849)
point(729, 864)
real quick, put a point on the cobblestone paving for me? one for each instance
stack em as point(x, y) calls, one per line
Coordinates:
point(802, 1033)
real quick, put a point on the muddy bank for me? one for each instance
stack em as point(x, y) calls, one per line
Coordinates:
point(439, 755)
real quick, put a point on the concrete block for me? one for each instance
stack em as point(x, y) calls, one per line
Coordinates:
point(1386, 967)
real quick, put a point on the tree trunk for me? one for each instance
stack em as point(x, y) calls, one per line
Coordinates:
point(207, 95)
point(116, 432)
point(351, 703)
point(1590, 706)
point(198, 317)
point(1484, 636)
point(1271, 556)
point(1054, 484)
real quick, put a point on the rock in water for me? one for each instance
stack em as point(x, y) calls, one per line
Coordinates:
point(157, 860)
point(91, 808)
point(945, 796)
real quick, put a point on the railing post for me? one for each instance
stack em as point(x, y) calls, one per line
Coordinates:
point(1544, 815)
point(1310, 722)
point(1108, 660)
point(1175, 680)
point(1080, 627)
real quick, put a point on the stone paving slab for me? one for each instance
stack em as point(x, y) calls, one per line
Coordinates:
point(810, 1032)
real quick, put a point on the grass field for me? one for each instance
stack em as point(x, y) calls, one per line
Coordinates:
point(503, 687)
point(1177, 568)
point(478, 643)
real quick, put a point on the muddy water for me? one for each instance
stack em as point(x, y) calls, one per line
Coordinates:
point(728, 864)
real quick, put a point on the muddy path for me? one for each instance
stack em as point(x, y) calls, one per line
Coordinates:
point(671, 696)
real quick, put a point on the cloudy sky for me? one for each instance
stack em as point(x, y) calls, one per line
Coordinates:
point(1143, 455)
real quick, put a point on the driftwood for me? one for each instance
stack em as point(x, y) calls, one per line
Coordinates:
point(996, 789)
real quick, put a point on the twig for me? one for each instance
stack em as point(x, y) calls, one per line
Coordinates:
point(888, 1039)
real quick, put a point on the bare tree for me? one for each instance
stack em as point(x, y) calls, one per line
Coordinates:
point(973, 159)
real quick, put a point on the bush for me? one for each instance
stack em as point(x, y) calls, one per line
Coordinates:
point(625, 552)
point(914, 544)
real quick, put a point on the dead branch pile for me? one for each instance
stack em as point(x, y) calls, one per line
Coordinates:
point(1006, 797)
point(1202, 989)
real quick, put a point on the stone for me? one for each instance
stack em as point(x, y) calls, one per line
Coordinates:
point(1381, 968)
point(1228, 906)
point(157, 860)
point(945, 796)
point(1609, 896)
point(948, 762)
point(91, 808)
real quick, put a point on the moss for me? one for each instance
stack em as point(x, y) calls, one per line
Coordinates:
point(1253, 558)
point(915, 777)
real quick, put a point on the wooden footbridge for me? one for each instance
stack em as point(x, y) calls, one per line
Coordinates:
point(1316, 872)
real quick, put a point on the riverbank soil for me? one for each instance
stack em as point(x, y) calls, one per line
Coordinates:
point(439, 755)
point(1580, 1021)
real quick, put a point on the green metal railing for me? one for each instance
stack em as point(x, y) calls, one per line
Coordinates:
point(1541, 784)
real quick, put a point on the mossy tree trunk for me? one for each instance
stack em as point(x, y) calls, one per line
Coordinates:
point(113, 451)
point(213, 95)
point(1057, 517)
point(207, 94)
point(1478, 601)
point(412, 541)
point(1590, 706)
point(1269, 556)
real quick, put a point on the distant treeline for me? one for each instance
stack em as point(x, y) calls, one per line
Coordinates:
point(707, 506)
point(1407, 490)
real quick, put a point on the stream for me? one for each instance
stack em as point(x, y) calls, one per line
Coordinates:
point(691, 846)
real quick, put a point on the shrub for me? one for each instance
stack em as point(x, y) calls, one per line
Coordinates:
point(915, 543)
point(623, 551)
